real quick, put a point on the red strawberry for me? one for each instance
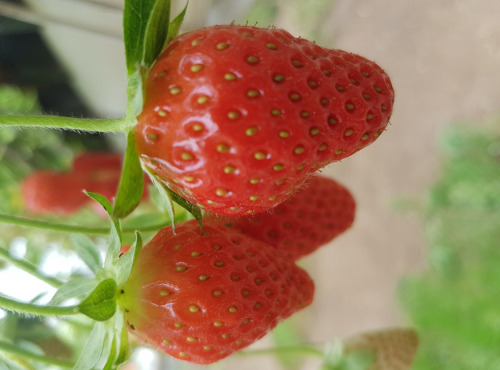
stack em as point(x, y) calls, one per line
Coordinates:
point(98, 166)
point(102, 173)
point(202, 297)
point(62, 193)
point(236, 117)
point(47, 192)
point(312, 217)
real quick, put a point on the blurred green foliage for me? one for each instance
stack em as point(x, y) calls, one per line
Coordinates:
point(303, 18)
point(455, 303)
point(22, 150)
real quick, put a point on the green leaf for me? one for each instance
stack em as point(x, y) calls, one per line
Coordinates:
point(146, 29)
point(156, 31)
point(190, 207)
point(132, 182)
point(136, 15)
point(75, 288)
point(165, 197)
point(102, 200)
point(114, 246)
point(120, 350)
point(175, 25)
point(115, 230)
point(107, 346)
point(168, 197)
point(100, 305)
point(87, 251)
point(126, 262)
point(124, 347)
point(111, 356)
point(93, 349)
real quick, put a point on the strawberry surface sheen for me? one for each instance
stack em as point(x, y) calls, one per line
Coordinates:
point(237, 117)
point(312, 217)
point(202, 297)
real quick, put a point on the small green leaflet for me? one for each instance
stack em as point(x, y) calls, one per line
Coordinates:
point(94, 348)
point(157, 30)
point(108, 207)
point(175, 25)
point(132, 182)
point(102, 200)
point(77, 287)
point(100, 305)
point(136, 14)
point(168, 197)
point(114, 247)
point(87, 251)
point(188, 206)
point(126, 262)
point(107, 347)
point(167, 202)
point(147, 30)
point(122, 343)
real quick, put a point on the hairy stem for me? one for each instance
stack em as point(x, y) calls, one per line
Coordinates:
point(30, 269)
point(41, 224)
point(24, 354)
point(68, 123)
point(33, 309)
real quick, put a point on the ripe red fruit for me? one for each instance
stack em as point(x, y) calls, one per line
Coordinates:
point(98, 166)
point(100, 172)
point(46, 192)
point(202, 297)
point(315, 215)
point(236, 117)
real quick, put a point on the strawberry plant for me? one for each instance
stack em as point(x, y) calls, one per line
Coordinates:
point(232, 120)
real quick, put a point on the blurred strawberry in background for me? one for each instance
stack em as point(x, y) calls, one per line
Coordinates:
point(62, 193)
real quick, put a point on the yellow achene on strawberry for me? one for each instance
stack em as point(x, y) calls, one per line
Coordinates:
point(237, 117)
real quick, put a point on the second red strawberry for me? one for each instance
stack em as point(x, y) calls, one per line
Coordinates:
point(319, 212)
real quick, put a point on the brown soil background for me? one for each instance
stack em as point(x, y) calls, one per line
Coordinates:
point(443, 58)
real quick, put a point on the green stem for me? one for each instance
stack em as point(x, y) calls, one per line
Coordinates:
point(24, 354)
point(40, 224)
point(68, 123)
point(33, 309)
point(284, 350)
point(30, 269)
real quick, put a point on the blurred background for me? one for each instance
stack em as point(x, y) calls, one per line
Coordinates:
point(424, 250)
